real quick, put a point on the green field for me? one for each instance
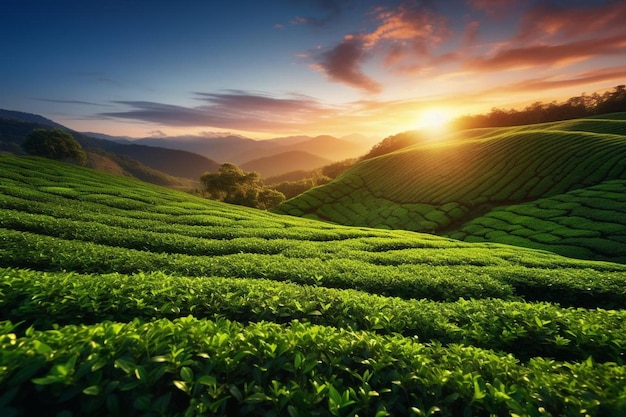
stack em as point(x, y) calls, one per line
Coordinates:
point(123, 298)
point(464, 186)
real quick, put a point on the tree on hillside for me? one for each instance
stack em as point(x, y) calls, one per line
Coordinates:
point(54, 144)
point(231, 184)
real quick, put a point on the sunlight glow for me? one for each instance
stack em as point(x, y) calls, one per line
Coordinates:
point(434, 119)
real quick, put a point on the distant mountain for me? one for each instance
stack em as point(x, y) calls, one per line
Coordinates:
point(222, 149)
point(289, 140)
point(31, 118)
point(171, 161)
point(331, 148)
point(118, 139)
point(150, 164)
point(285, 162)
point(239, 150)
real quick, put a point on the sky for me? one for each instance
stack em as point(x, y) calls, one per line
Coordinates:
point(275, 68)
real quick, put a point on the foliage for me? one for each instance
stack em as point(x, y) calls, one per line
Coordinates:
point(455, 182)
point(124, 298)
point(197, 367)
point(520, 328)
point(585, 223)
point(55, 144)
point(292, 189)
point(232, 185)
point(575, 107)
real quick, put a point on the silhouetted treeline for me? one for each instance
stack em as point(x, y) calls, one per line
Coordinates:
point(581, 106)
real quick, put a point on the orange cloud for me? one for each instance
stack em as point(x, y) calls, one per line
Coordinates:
point(548, 55)
point(614, 74)
point(548, 21)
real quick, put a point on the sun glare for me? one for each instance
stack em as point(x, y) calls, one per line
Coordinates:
point(433, 119)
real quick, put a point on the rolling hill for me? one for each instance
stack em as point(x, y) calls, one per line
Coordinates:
point(120, 297)
point(448, 186)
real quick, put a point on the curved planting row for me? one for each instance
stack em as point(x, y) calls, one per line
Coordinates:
point(588, 223)
point(523, 329)
point(436, 187)
point(201, 367)
point(142, 255)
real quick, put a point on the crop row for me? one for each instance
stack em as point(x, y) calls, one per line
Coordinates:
point(503, 166)
point(199, 367)
point(523, 329)
point(179, 223)
point(587, 223)
point(569, 286)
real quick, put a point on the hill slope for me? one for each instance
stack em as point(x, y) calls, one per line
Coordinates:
point(143, 300)
point(437, 187)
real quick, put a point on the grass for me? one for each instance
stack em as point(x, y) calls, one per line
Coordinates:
point(123, 298)
point(446, 187)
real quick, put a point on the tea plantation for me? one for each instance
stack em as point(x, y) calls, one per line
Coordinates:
point(557, 186)
point(119, 297)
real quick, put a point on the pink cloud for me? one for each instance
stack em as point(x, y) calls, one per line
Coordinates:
point(405, 36)
point(471, 32)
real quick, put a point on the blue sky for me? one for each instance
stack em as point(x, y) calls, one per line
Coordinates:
point(278, 67)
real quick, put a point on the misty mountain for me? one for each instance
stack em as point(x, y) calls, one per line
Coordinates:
point(285, 162)
point(240, 150)
point(222, 149)
point(171, 161)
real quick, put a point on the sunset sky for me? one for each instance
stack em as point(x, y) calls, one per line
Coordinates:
point(285, 67)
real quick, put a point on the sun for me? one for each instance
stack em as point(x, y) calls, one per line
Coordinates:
point(433, 119)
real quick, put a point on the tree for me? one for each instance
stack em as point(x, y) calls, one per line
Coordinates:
point(268, 198)
point(233, 185)
point(54, 144)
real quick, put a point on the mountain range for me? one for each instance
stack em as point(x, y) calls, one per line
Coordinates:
point(241, 150)
point(188, 157)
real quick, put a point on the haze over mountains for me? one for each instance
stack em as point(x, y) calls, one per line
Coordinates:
point(239, 149)
point(190, 156)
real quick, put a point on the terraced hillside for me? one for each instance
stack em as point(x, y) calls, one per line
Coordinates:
point(123, 298)
point(441, 186)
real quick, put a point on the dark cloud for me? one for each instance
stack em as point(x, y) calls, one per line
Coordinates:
point(231, 110)
point(404, 35)
point(342, 64)
point(83, 103)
